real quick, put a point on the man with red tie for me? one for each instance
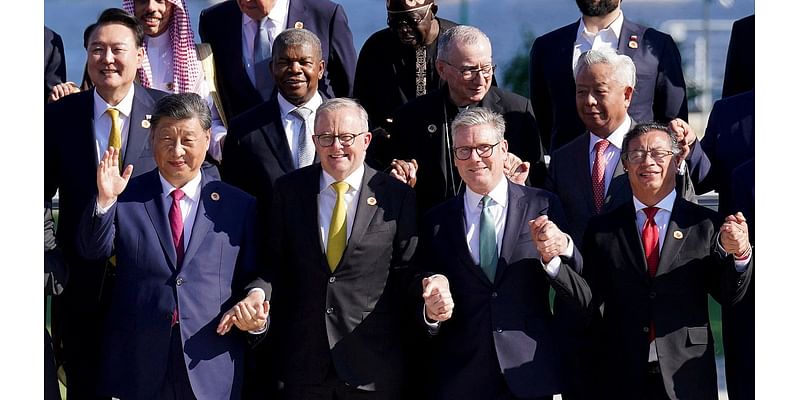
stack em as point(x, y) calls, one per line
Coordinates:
point(650, 265)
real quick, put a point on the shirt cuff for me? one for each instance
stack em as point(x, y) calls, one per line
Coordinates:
point(434, 326)
point(739, 264)
point(100, 211)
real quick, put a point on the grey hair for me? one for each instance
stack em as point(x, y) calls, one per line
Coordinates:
point(464, 34)
point(297, 37)
point(181, 106)
point(642, 128)
point(624, 71)
point(480, 116)
point(340, 103)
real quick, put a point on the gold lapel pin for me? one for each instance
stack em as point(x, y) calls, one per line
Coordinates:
point(298, 25)
point(633, 42)
point(677, 235)
point(431, 128)
point(215, 196)
point(371, 201)
point(146, 123)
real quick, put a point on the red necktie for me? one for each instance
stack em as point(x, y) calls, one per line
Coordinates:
point(650, 244)
point(176, 226)
point(598, 175)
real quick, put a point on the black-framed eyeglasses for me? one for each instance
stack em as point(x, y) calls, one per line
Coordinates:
point(345, 139)
point(638, 156)
point(409, 18)
point(483, 150)
point(469, 73)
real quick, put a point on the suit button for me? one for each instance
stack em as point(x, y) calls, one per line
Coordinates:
point(494, 295)
point(652, 295)
point(332, 279)
point(498, 330)
point(179, 281)
point(646, 329)
point(329, 310)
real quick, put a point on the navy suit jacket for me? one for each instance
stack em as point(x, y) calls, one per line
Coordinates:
point(740, 64)
point(660, 92)
point(221, 27)
point(55, 67)
point(219, 260)
point(508, 320)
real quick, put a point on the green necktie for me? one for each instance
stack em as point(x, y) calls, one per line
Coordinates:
point(337, 234)
point(488, 240)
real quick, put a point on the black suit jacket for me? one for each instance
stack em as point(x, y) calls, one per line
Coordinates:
point(55, 66)
point(501, 329)
point(660, 92)
point(70, 165)
point(221, 27)
point(422, 131)
point(347, 320)
point(740, 64)
point(690, 267)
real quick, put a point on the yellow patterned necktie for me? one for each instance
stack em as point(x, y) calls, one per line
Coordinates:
point(115, 135)
point(337, 234)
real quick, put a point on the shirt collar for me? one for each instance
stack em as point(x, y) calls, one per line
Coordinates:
point(354, 179)
point(615, 28)
point(499, 194)
point(286, 107)
point(278, 15)
point(191, 189)
point(124, 106)
point(615, 137)
point(665, 204)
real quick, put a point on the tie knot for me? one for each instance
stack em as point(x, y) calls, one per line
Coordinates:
point(113, 113)
point(601, 146)
point(301, 112)
point(486, 201)
point(650, 212)
point(340, 187)
point(177, 194)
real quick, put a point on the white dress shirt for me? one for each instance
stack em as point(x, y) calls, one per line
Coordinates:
point(293, 123)
point(498, 210)
point(102, 122)
point(327, 199)
point(604, 38)
point(613, 151)
point(275, 25)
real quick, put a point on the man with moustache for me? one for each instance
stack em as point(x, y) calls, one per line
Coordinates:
point(241, 33)
point(650, 265)
point(421, 140)
point(660, 87)
point(77, 131)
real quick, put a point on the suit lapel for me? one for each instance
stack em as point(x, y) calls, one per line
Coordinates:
point(137, 134)
point(585, 175)
point(673, 241)
point(515, 219)
point(628, 31)
point(158, 217)
point(309, 210)
point(364, 212)
point(275, 136)
point(631, 242)
point(206, 210)
point(297, 13)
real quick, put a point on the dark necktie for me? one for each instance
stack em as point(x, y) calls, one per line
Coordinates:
point(598, 175)
point(650, 244)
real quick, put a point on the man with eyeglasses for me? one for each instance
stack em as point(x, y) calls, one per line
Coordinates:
point(500, 343)
point(650, 265)
point(340, 241)
point(396, 64)
point(421, 141)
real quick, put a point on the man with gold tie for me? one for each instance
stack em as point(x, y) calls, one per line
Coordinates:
point(78, 130)
point(340, 241)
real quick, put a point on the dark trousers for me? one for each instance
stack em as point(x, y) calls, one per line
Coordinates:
point(176, 384)
point(334, 388)
point(654, 388)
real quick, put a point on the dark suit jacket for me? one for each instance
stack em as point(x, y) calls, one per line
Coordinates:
point(729, 141)
point(422, 130)
point(348, 320)
point(70, 165)
point(219, 260)
point(660, 92)
point(690, 268)
point(55, 66)
point(221, 27)
point(509, 320)
point(740, 64)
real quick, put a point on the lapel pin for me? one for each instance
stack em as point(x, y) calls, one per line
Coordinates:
point(215, 196)
point(298, 25)
point(633, 42)
point(677, 235)
point(431, 128)
point(371, 201)
point(146, 122)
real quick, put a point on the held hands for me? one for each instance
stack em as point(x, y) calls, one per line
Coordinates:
point(250, 314)
point(733, 236)
point(515, 169)
point(438, 300)
point(61, 90)
point(405, 171)
point(685, 135)
point(109, 182)
point(549, 240)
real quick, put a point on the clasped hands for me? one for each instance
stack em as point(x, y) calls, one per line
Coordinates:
point(549, 239)
point(248, 315)
point(733, 236)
